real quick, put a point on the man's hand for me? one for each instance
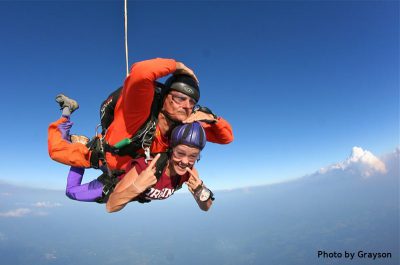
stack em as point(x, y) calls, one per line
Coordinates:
point(146, 178)
point(183, 69)
point(200, 116)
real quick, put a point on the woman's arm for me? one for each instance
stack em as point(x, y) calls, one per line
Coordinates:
point(125, 191)
point(131, 186)
point(194, 185)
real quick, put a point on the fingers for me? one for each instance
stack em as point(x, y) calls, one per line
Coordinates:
point(190, 72)
point(193, 117)
point(152, 165)
point(154, 181)
point(195, 77)
point(192, 173)
point(192, 182)
point(188, 120)
point(181, 68)
point(199, 116)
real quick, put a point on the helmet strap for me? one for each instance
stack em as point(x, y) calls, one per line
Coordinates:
point(172, 122)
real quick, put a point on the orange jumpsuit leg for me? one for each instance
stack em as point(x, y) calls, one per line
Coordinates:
point(60, 150)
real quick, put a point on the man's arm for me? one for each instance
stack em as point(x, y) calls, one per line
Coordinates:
point(138, 91)
point(217, 129)
point(219, 132)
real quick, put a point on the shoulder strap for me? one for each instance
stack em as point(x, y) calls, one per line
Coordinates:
point(145, 135)
point(107, 109)
point(159, 93)
point(161, 164)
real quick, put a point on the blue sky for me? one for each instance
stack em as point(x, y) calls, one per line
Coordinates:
point(301, 82)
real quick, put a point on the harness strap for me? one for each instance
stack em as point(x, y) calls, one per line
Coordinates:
point(161, 164)
point(97, 154)
point(144, 137)
point(109, 182)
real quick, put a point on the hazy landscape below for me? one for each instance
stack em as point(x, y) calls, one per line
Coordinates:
point(337, 210)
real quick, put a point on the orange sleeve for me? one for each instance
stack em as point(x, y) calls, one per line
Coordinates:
point(138, 91)
point(60, 150)
point(134, 105)
point(219, 132)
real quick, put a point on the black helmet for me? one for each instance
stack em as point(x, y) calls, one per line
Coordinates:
point(184, 84)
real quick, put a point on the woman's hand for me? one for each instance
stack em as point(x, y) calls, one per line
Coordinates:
point(146, 178)
point(194, 182)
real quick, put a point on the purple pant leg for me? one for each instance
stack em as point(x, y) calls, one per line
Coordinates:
point(65, 128)
point(88, 192)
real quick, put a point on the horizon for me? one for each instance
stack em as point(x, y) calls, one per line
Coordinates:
point(395, 153)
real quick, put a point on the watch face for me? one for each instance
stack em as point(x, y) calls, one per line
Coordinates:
point(204, 194)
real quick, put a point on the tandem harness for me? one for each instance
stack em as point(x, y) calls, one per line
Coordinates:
point(109, 181)
point(128, 146)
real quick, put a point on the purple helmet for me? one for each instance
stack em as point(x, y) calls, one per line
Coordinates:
point(191, 134)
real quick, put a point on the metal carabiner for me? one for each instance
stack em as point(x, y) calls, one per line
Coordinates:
point(147, 154)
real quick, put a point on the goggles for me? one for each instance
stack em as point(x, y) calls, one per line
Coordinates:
point(180, 154)
point(180, 99)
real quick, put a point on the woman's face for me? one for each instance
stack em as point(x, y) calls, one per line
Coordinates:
point(183, 156)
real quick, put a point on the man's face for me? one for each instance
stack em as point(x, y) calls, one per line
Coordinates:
point(178, 105)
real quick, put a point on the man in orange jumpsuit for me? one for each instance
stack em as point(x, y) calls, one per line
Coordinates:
point(133, 109)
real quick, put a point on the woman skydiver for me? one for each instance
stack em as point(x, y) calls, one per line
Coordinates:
point(140, 182)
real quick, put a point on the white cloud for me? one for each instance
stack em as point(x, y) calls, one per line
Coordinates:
point(361, 161)
point(46, 204)
point(50, 256)
point(20, 212)
point(34, 209)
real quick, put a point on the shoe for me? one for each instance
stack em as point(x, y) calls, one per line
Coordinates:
point(79, 139)
point(66, 102)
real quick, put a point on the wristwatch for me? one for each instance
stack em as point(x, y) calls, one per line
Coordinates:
point(204, 194)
